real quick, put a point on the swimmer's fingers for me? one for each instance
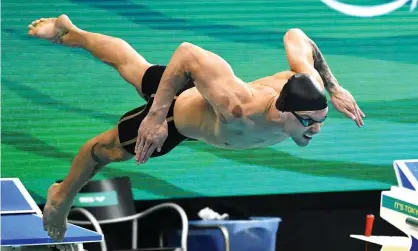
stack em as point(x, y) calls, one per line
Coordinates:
point(349, 109)
point(160, 145)
point(351, 115)
point(360, 116)
point(144, 150)
point(344, 102)
point(361, 112)
point(354, 115)
point(151, 149)
point(154, 145)
point(140, 141)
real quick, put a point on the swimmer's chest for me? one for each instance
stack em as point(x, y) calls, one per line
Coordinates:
point(250, 133)
point(197, 119)
point(253, 129)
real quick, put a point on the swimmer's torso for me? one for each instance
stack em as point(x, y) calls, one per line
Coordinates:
point(195, 118)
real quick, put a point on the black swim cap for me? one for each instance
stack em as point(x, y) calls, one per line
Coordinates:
point(300, 93)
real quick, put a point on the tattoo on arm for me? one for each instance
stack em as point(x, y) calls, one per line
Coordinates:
point(323, 69)
point(100, 164)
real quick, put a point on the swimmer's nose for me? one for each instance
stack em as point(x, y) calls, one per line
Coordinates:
point(316, 128)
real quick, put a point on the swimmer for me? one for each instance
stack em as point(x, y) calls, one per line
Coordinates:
point(195, 96)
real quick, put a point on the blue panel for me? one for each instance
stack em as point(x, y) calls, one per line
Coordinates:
point(413, 167)
point(405, 181)
point(28, 229)
point(11, 198)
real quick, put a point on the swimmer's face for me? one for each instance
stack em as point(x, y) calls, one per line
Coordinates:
point(302, 126)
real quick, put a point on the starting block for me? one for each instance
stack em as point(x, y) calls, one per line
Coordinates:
point(399, 207)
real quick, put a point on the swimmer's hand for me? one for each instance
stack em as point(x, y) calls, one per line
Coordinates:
point(344, 102)
point(152, 134)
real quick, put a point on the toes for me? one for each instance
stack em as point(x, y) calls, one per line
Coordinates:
point(53, 233)
point(34, 23)
point(56, 233)
point(38, 21)
point(48, 229)
point(61, 235)
point(32, 30)
point(34, 26)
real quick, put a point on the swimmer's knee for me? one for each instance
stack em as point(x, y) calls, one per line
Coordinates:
point(293, 33)
point(98, 154)
point(118, 155)
point(106, 148)
point(103, 153)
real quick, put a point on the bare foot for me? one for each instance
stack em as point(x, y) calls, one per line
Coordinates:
point(55, 213)
point(51, 28)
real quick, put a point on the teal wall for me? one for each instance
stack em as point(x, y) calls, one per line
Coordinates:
point(55, 98)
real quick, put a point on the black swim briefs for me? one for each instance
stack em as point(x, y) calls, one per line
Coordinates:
point(129, 123)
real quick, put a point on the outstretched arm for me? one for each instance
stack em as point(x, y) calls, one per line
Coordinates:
point(213, 78)
point(304, 56)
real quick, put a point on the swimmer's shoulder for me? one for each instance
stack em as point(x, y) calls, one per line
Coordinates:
point(275, 81)
point(284, 75)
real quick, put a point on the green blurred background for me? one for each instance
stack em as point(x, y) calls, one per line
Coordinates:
point(55, 98)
